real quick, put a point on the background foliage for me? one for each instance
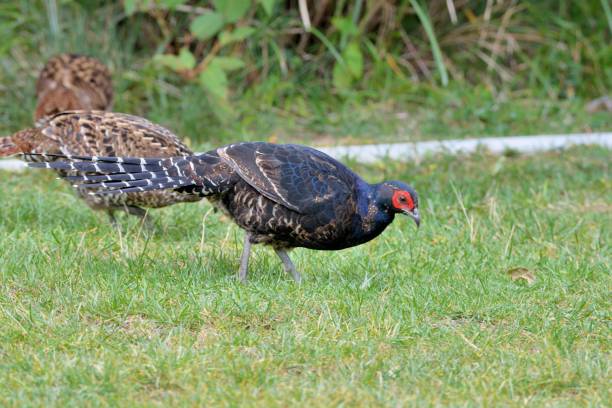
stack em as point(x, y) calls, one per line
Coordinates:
point(556, 45)
point(239, 65)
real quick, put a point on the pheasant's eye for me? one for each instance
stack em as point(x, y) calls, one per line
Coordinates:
point(402, 199)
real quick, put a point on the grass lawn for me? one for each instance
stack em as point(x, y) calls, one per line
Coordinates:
point(91, 318)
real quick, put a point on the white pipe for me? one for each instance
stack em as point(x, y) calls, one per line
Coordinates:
point(522, 144)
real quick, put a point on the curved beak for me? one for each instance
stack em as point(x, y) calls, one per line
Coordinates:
point(414, 214)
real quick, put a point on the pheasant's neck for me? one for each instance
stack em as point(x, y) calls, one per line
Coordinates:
point(372, 217)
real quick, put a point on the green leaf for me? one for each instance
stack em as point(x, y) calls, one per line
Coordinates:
point(353, 59)
point(342, 77)
point(608, 12)
point(345, 26)
point(185, 60)
point(238, 34)
point(228, 63)
point(232, 10)
point(349, 68)
point(214, 80)
point(268, 6)
point(207, 25)
point(167, 60)
point(172, 3)
point(130, 6)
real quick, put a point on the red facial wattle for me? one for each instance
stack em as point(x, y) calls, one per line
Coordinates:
point(406, 204)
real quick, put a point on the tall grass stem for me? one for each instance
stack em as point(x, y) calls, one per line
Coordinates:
point(52, 14)
point(606, 6)
point(435, 47)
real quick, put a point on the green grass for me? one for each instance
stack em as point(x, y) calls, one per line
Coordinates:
point(419, 318)
point(400, 114)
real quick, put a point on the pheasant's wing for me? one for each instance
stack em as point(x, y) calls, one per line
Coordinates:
point(298, 177)
point(98, 133)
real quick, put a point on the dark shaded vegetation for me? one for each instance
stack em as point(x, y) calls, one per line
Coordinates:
point(366, 71)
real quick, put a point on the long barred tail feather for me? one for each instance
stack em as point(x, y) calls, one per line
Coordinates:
point(106, 159)
point(95, 167)
point(120, 175)
point(139, 189)
point(132, 183)
point(201, 175)
point(117, 176)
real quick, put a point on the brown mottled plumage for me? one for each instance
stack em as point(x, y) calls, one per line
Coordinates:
point(69, 82)
point(106, 134)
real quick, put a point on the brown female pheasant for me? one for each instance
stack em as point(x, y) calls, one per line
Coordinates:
point(96, 133)
point(67, 82)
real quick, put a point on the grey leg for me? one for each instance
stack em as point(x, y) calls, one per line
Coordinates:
point(140, 213)
point(288, 265)
point(137, 211)
point(244, 259)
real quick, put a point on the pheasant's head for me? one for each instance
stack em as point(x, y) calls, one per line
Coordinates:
point(24, 141)
point(7, 147)
point(58, 100)
point(398, 197)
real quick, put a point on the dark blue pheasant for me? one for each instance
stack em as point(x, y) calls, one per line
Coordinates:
point(285, 196)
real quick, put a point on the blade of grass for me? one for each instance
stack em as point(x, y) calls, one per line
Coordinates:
point(304, 14)
point(53, 17)
point(327, 44)
point(435, 47)
point(608, 12)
